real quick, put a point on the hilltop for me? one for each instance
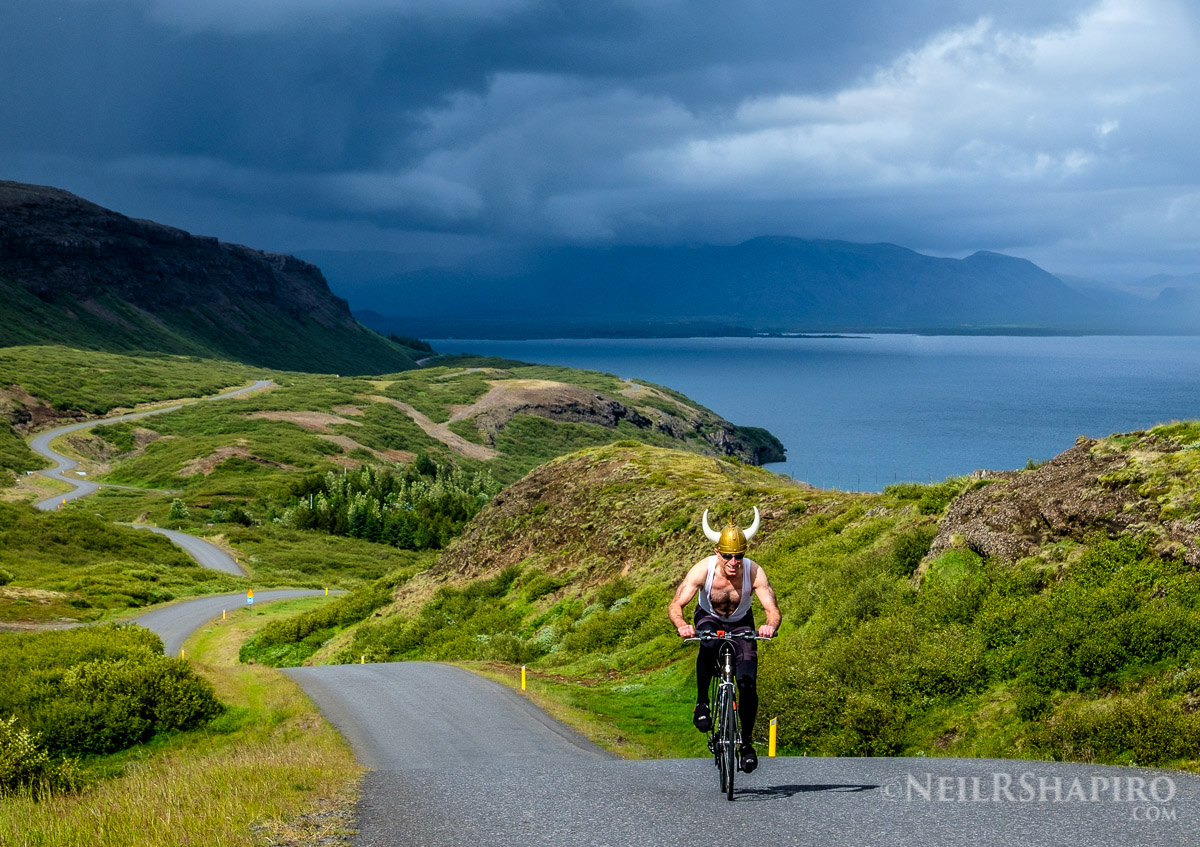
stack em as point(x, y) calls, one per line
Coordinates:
point(77, 274)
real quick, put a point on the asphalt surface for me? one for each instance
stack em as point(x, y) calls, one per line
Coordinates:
point(175, 623)
point(456, 759)
point(64, 465)
point(206, 554)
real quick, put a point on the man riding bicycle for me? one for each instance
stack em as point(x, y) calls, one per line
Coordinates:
point(727, 582)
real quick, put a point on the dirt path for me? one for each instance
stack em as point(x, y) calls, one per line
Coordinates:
point(439, 431)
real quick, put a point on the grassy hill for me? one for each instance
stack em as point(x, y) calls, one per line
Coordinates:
point(926, 620)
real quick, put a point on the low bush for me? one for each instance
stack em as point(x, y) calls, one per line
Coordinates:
point(1128, 729)
point(99, 689)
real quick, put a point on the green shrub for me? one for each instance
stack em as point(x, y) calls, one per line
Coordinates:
point(288, 642)
point(1031, 700)
point(872, 724)
point(1130, 729)
point(910, 548)
point(25, 765)
point(99, 689)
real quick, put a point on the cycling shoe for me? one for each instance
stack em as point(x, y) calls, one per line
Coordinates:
point(749, 759)
point(702, 719)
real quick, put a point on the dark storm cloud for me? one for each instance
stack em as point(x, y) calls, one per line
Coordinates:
point(1049, 128)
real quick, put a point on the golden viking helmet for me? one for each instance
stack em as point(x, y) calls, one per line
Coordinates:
point(731, 539)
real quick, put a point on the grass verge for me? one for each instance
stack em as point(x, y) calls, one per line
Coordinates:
point(646, 716)
point(269, 771)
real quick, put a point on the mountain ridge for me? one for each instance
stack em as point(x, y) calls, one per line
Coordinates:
point(76, 273)
point(769, 284)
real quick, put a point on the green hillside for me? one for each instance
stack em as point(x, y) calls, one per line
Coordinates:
point(75, 274)
point(901, 636)
point(319, 480)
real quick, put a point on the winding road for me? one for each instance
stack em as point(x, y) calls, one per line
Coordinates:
point(458, 760)
point(40, 444)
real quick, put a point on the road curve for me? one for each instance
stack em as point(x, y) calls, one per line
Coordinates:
point(40, 444)
point(176, 622)
point(206, 554)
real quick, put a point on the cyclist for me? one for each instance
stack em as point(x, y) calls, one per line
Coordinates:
point(726, 583)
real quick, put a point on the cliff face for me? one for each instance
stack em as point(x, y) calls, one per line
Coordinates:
point(104, 280)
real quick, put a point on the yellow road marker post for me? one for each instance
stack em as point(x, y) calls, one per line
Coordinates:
point(771, 743)
point(362, 660)
point(522, 677)
point(181, 653)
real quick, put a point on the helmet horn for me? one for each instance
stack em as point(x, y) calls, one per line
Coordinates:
point(753, 528)
point(709, 533)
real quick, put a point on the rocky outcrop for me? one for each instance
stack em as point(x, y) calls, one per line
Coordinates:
point(99, 275)
point(1094, 487)
point(565, 403)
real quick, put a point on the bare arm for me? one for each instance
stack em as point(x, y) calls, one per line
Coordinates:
point(687, 589)
point(766, 596)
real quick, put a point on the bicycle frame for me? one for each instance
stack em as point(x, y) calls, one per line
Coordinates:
point(725, 737)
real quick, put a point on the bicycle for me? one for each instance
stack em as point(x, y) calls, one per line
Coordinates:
point(725, 737)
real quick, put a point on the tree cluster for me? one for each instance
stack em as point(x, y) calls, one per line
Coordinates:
point(420, 507)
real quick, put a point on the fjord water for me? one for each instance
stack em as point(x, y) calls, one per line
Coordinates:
point(863, 412)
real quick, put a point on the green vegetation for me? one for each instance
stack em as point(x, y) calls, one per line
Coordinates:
point(97, 383)
point(90, 691)
point(252, 775)
point(1084, 651)
point(289, 642)
point(75, 566)
point(80, 567)
point(259, 334)
point(420, 508)
point(15, 455)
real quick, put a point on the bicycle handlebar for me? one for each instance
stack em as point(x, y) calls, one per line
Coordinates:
point(722, 635)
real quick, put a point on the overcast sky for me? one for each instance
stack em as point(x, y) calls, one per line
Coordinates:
point(1057, 130)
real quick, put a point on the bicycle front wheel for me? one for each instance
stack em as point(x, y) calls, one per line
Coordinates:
point(728, 743)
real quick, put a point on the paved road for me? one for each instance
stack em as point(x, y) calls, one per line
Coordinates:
point(459, 760)
point(206, 554)
point(456, 759)
point(175, 623)
point(40, 444)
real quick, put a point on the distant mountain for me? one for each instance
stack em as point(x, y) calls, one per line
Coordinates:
point(77, 274)
point(762, 285)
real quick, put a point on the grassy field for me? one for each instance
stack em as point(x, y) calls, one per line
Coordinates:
point(97, 383)
point(269, 771)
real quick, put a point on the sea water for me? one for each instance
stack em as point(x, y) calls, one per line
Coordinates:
point(863, 412)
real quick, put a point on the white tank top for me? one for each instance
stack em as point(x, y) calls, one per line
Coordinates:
point(747, 596)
